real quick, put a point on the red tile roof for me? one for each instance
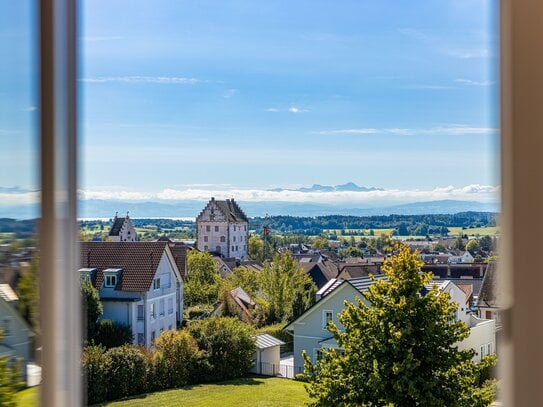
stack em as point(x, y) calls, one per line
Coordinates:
point(139, 261)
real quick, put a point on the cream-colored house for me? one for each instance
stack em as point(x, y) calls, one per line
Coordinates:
point(310, 334)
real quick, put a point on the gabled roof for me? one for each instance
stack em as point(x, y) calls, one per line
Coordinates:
point(116, 227)
point(179, 252)
point(229, 208)
point(488, 296)
point(138, 260)
point(239, 294)
point(361, 284)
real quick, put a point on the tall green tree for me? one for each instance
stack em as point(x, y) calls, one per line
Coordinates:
point(10, 380)
point(281, 283)
point(29, 295)
point(92, 308)
point(400, 348)
point(203, 279)
point(246, 278)
point(256, 248)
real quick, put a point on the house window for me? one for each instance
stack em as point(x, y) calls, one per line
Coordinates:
point(208, 228)
point(245, 228)
point(7, 326)
point(141, 339)
point(205, 238)
point(232, 248)
point(218, 249)
point(483, 351)
point(318, 354)
point(152, 312)
point(236, 248)
point(327, 316)
point(170, 306)
point(234, 238)
point(205, 247)
point(234, 228)
point(156, 283)
point(489, 349)
point(223, 239)
point(140, 313)
point(169, 328)
point(162, 312)
point(216, 228)
point(153, 336)
point(111, 281)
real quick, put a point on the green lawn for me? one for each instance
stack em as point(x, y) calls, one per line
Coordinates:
point(250, 392)
point(27, 397)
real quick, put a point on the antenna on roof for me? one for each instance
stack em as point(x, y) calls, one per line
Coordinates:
point(127, 212)
point(116, 213)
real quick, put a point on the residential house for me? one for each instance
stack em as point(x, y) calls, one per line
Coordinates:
point(18, 338)
point(320, 272)
point(222, 228)
point(236, 302)
point(310, 334)
point(139, 284)
point(122, 230)
point(461, 257)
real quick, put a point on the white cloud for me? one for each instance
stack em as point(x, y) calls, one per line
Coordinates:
point(450, 130)
point(474, 192)
point(29, 109)
point(175, 80)
point(474, 83)
point(19, 198)
point(292, 109)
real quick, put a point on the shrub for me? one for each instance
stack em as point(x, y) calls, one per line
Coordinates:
point(228, 345)
point(126, 373)
point(176, 359)
point(95, 368)
point(111, 334)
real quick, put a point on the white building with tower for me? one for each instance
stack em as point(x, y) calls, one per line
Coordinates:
point(122, 230)
point(223, 228)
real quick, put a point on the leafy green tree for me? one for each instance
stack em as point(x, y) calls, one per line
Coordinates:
point(256, 248)
point(459, 243)
point(320, 242)
point(439, 248)
point(29, 295)
point(246, 278)
point(111, 334)
point(351, 251)
point(92, 308)
point(203, 279)
point(281, 283)
point(228, 347)
point(472, 246)
point(400, 348)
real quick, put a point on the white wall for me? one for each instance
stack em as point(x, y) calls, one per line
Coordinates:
point(482, 333)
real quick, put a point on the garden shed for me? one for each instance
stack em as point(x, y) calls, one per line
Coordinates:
point(267, 358)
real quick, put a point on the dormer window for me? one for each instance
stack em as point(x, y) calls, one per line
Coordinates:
point(110, 281)
point(111, 277)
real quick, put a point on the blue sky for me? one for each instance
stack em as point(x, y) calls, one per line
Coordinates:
point(180, 96)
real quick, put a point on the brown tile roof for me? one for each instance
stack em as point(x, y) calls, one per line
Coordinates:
point(229, 208)
point(179, 252)
point(139, 261)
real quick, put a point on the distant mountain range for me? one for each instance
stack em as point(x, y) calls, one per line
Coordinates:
point(349, 186)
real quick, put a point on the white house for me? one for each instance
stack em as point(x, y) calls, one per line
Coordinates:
point(462, 257)
point(267, 358)
point(222, 227)
point(139, 283)
point(309, 329)
point(18, 337)
point(122, 230)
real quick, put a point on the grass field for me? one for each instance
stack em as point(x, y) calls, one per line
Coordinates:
point(27, 397)
point(486, 231)
point(246, 392)
point(359, 232)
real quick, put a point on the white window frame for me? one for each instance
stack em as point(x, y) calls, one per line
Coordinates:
point(156, 283)
point(110, 280)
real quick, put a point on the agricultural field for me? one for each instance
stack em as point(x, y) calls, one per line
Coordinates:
point(484, 231)
point(358, 232)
